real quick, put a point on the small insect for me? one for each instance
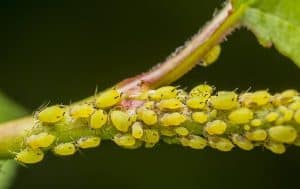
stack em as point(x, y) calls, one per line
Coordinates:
point(219, 143)
point(149, 117)
point(98, 119)
point(216, 127)
point(242, 142)
point(276, 148)
point(283, 134)
point(297, 116)
point(287, 113)
point(30, 156)
point(121, 120)
point(108, 98)
point(165, 92)
point(88, 142)
point(137, 130)
point(167, 132)
point(271, 117)
point(224, 100)
point(151, 136)
point(51, 114)
point(81, 111)
point(196, 142)
point(148, 105)
point(257, 135)
point(170, 104)
point(172, 119)
point(124, 140)
point(285, 97)
point(41, 140)
point(200, 117)
point(203, 90)
point(182, 131)
point(240, 116)
point(258, 98)
point(256, 122)
point(197, 102)
point(211, 56)
point(64, 149)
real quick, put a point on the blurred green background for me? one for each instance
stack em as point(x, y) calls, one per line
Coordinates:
point(59, 51)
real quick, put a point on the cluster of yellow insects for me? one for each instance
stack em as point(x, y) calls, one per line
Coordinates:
point(200, 118)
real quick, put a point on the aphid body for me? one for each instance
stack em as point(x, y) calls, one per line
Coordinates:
point(88, 142)
point(51, 114)
point(98, 119)
point(30, 156)
point(108, 98)
point(41, 140)
point(64, 149)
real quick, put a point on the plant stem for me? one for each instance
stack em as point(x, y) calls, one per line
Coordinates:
point(11, 133)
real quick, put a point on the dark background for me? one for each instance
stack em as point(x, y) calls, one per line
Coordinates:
point(59, 51)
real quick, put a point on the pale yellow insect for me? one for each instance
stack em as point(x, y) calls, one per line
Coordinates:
point(257, 135)
point(30, 156)
point(41, 140)
point(242, 142)
point(165, 92)
point(51, 114)
point(277, 148)
point(149, 117)
point(203, 90)
point(98, 119)
point(121, 120)
point(196, 102)
point(167, 131)
point(284, 134)
point(81, 111)
point(224, 100)
point(216, 127)
point(200, 117)
point(137, 130)
point(196, 142)
point(258, 98)
point(240, 116)
point(64, 149)
point(295, 106)
point(172, 119)
point(151, 136)
point(170, 104)
point(108, 98)
point(256, 122)
point(287, 113)
point(285, 97)
point(182, 131)
point(88, 142)
point(211, 56)
point(272, 116)
point(220, 143)
point(124, 140)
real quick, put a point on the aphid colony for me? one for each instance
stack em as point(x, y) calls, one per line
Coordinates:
point(197, 119)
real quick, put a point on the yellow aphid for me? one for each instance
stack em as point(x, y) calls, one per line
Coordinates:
point(81, 111)
point(182, 131)
point(98, 119)
point(121, 120)
point(165, 92)
point(30, 156)
point(260, 98)
point(213, 114)
point(64, 149)
point(240, 116)
point(216, 127)
point(242, 142)
point(185, 141)
point(272, 116)
point(125, 140)
point(200, 117)
point(295, 106)
point(276, 148)
point(137, 130)
point(287, 113)
point(108, 98)
point(287, 96)
point(204, 91)
point(257, 135)
point(151, 136)
point(42, 140)
point(170, 104)
point(297, 116)
point(284, 134)
point(196, 102)
point(51, 114)
point(256, 122)
point(224, 100)
point(211, 56)
point(149, 117)
point(167, 132)
point(196, 142)
point(221, 144)
point(181, 95)
point(172, 119)
point(88, 142)
point(148, 105)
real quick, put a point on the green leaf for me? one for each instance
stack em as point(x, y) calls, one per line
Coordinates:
point(8, 168)
point(274, 22)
